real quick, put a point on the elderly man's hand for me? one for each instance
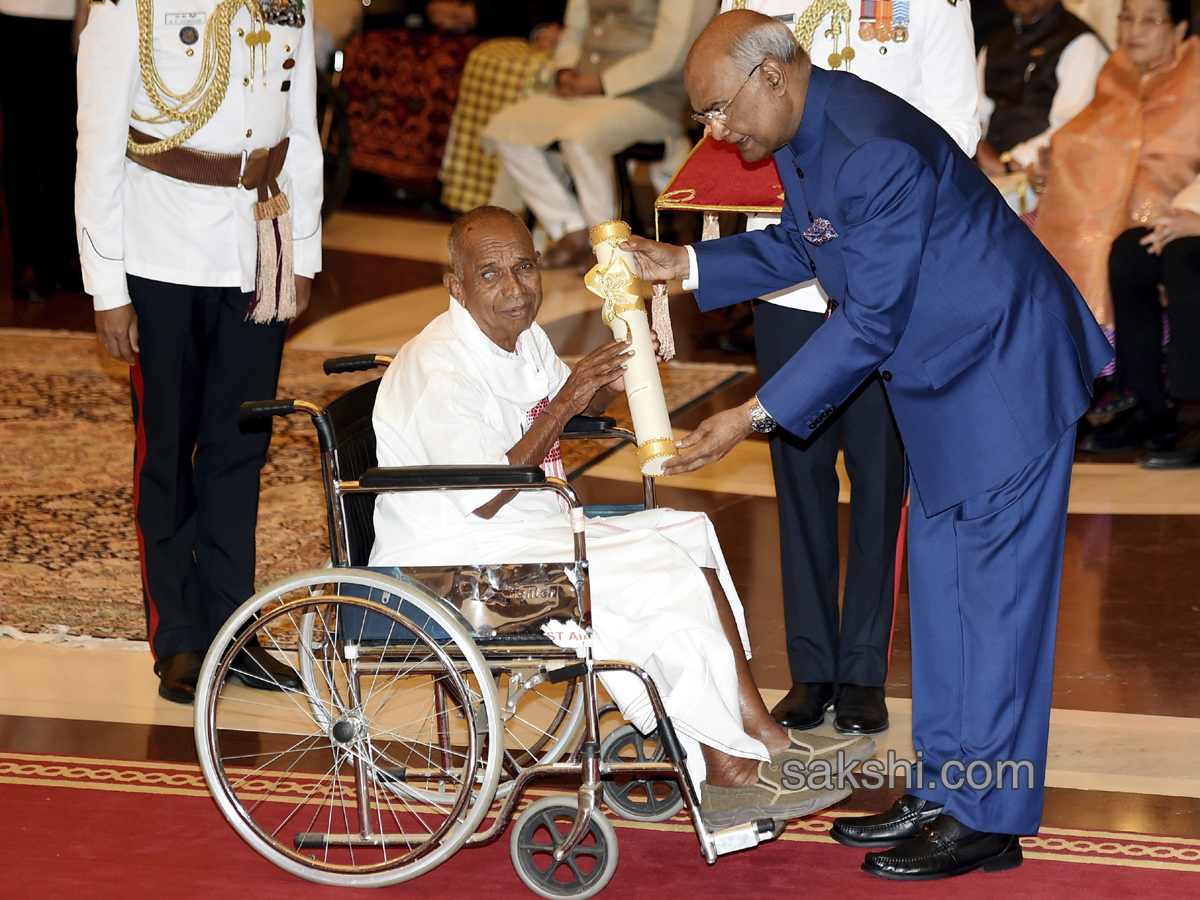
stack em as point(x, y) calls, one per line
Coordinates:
point(715, 437)
point(601, 373)
point(657, 261)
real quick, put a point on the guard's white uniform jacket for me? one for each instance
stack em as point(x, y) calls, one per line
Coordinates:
point(132, 221)
point(934, 70)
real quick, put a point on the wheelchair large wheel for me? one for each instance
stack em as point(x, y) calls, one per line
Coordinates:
point(332, 781)
point(583, 872)
point(631, 797)
point(540, 719)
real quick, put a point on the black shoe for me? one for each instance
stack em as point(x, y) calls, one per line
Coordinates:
point(177, 676)
point(860, 710)
point(256, 668)
point(945, 848)
point(1186, 454)
point(899, 824)
point(1135, 431)
point(804, 705)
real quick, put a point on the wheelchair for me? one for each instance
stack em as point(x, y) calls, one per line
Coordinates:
point(430, 698)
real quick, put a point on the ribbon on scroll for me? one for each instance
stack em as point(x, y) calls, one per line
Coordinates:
point(614, 279)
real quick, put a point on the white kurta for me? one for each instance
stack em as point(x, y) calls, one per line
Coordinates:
point(454, 397)
point(933, 70)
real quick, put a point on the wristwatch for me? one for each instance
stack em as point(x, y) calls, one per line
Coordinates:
point(760, 419)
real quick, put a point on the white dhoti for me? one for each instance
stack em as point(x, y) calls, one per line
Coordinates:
point(453, 397)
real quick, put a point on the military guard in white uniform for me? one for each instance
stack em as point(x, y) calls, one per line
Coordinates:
point(198, 200)
point(922, 51)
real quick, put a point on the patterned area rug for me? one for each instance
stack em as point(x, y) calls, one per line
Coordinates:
point(68, 553)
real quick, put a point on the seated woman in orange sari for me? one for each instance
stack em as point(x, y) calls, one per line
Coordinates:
point(1120, 162)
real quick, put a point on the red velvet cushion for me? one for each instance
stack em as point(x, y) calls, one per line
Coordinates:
point(715, 177)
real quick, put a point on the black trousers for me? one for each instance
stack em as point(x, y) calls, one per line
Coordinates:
point(196, 465)
point(1135, 276)
point(820, 648)
point(37, 167)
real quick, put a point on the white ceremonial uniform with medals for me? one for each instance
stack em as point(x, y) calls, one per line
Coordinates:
point(185, 254)
point(129, 217)
point(453, 397)
point(932, 68)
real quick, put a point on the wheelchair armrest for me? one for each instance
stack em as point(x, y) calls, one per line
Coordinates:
point(588, 426)
point(452, 477)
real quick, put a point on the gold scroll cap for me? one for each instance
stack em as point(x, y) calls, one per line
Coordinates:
point(655, 448)
point(614, 229)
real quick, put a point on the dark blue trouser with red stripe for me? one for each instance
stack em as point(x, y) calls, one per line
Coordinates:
point(196, 465)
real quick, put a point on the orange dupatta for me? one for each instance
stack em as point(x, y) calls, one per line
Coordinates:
point(1118, 164)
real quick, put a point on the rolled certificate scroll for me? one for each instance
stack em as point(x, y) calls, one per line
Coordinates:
point(615, 280)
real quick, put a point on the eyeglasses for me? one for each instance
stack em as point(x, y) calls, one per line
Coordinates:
point(1129, 20)
point(714, 116)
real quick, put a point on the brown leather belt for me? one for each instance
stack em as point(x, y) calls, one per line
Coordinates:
point(257, 170)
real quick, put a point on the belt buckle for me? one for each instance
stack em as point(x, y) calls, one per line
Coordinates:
point(242, 167)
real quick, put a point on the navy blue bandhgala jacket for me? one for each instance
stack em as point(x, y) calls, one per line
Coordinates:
point(986, 348)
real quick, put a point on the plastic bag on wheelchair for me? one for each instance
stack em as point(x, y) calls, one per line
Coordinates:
point(500, 603)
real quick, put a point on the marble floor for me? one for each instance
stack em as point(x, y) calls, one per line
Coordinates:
point(1125, 731)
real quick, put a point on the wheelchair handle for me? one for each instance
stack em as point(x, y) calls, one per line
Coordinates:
point(265, 409)
point(355, 363)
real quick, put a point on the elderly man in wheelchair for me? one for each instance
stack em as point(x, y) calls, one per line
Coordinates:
point(482, 385)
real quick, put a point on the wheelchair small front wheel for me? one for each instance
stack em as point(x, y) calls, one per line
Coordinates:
point(583, 872)
point(631, 797)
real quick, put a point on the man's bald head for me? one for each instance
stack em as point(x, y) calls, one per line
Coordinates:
point(494, 273)
point(750, 74)
point(479, 221)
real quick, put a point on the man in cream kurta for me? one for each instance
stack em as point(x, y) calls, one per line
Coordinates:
point(619, 80)
point(482, 385)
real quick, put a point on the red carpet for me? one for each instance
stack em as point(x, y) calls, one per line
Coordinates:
point(97, 829)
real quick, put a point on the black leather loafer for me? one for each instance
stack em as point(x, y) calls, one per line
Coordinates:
point(899, 824)
point(258, 669)
point(1186, 454)
point(860, 710)
point(177, 676)
point(1137, 429)
point(804, 705)
point(945, 848)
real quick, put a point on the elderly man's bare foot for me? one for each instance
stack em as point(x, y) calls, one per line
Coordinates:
point(573, 249)
point(773, 795)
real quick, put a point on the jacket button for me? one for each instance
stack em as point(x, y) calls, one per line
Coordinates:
point(799, 171)
point(885, 375)
point(812, 265)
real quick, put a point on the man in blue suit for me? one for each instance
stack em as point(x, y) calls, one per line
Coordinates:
point(987, 353)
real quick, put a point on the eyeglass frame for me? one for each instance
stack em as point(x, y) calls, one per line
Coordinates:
point(1132, 21)
point(714, 116)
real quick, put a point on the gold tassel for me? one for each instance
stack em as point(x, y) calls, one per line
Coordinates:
point(661, 317)
point(275, 283)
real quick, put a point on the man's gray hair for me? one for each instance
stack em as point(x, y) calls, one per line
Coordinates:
point(764, 39)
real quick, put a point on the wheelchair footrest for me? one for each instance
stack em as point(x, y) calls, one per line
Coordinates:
point(746, 837)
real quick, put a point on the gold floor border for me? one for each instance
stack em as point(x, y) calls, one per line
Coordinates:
point(1105, 848)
